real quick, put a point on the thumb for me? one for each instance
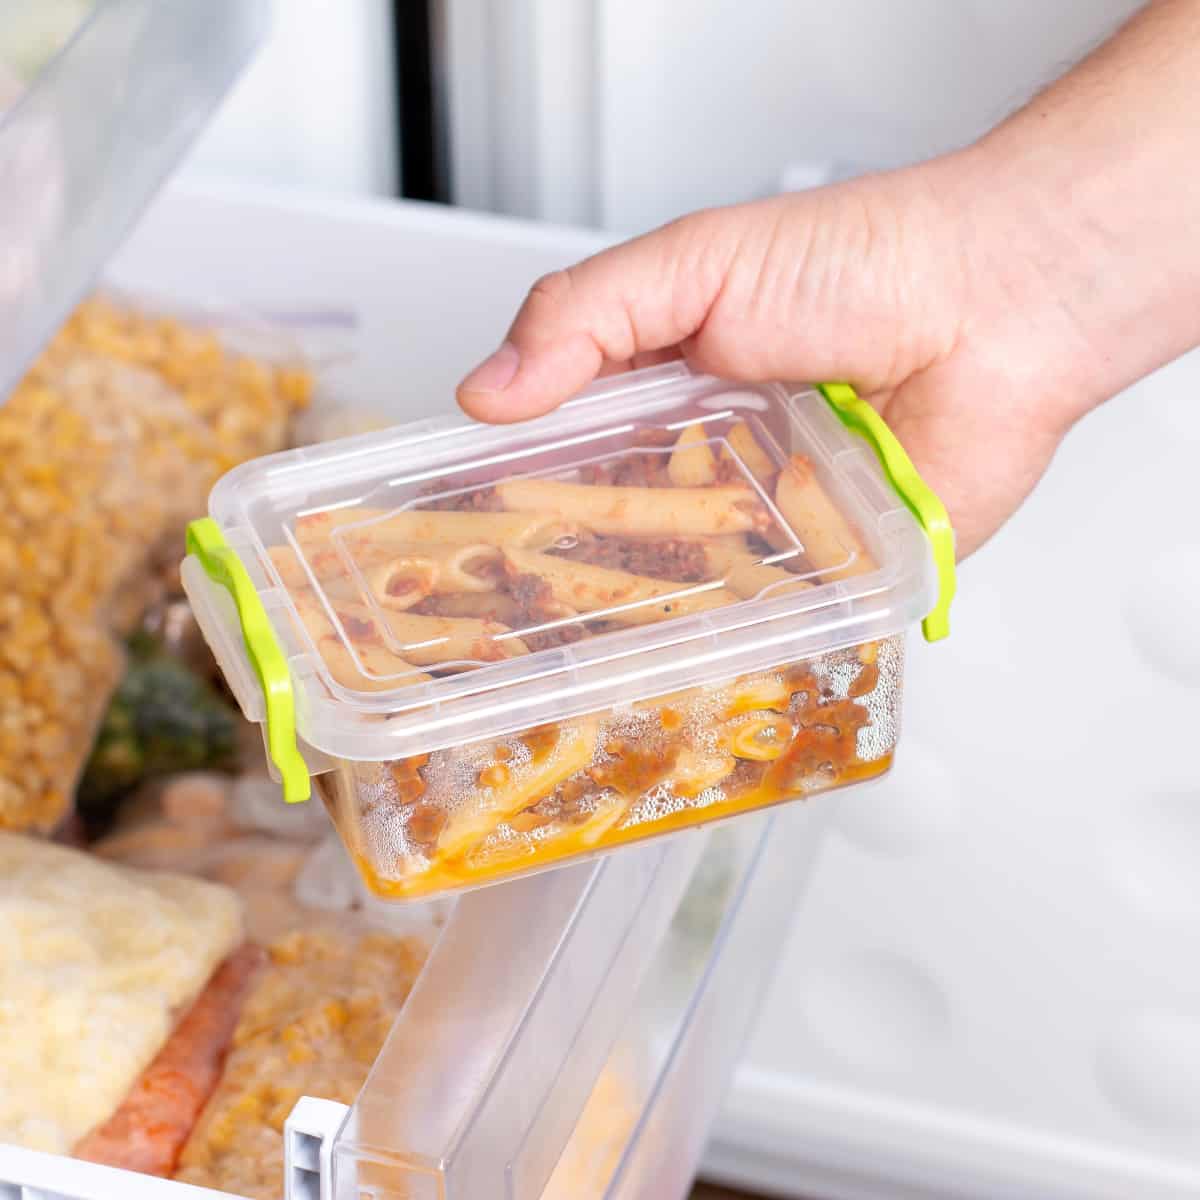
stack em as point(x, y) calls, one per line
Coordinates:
point(641, 296)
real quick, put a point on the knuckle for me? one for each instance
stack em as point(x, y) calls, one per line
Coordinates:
point(553, 290)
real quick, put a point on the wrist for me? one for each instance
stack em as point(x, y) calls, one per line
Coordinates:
point(1084, 205)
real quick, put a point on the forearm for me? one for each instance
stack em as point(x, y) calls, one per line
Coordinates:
point(1094, 189)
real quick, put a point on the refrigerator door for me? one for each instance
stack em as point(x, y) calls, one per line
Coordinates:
point(87, 142)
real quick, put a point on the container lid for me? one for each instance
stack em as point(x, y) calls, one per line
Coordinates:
point(445, 582)
point(88, 140)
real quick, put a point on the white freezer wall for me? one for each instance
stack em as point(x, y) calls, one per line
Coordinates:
point(625, 113)
point(316, 109)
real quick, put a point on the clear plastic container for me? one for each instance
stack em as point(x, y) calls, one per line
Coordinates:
point(671, 601)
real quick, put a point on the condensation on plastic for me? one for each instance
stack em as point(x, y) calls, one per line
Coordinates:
point(91, 140)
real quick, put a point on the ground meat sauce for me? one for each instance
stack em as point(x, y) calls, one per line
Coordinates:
point(534, 599)
point(660, 558)
point(469, 499)
point(633, 470)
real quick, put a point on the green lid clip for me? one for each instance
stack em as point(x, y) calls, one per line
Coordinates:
point(857, 415)
point(222, 565)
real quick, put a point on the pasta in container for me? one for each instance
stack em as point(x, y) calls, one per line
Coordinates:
point(495, 650)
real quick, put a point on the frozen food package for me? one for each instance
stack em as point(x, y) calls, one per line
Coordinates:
point(97, 962)
point(504, 648)
point(312, 1024)
point(108, 446)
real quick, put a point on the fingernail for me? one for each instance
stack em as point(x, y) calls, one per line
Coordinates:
point(496, 373)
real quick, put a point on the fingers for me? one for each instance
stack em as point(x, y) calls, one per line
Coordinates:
point(982, 455)
point(622, 305)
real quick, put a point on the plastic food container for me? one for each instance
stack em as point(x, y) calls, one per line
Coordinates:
point(497, 649)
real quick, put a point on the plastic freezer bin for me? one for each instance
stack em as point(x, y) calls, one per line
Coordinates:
point(613, 1015)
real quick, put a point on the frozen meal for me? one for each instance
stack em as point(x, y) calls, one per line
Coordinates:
point(502, 648)
point(97, 962)
point(108, 445)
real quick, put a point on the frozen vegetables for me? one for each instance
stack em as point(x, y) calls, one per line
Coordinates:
point(313, 1025)
point(162, 719)
point(107, 446)
point(97, 963)
point(154, 1120)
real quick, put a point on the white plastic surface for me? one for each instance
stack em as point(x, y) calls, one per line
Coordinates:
point(992, 990)
point(1054, 870)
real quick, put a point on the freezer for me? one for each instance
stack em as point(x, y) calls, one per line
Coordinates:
point(567, 1034)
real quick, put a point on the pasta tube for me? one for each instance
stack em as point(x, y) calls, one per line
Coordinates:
point(487, 606)
point(620, 597)
point(731, 560)
point(761, 737)
point(385, 670)
point(409, 574)
point(757, 692)
point(692, 462)
point(403, 581)
point(696, 771)
point(509, 790)
point(742, 446)
point(831, 545)
point(637, 511)
point(425, 641)
point(749, 579)
point(374, 527)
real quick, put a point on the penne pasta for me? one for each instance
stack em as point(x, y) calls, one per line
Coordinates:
point(742, 446)
point(760, 737)
point(618, 596)
point(756, 692)
point(432, 640)
point(486, 606)
point(385, 671)
point(696, 771)
point(639, 511)
point(403, 581)
point(374, 527)
point(830, 544)
point(751, 579)
point(407, 575)
point(423, 640)
point(732, 561)
point(692, 462)
point(503, 793)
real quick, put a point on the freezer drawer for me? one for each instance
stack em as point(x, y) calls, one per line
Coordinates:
point(570, 1036)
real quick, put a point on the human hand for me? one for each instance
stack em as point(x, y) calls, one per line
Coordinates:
point(982, 302)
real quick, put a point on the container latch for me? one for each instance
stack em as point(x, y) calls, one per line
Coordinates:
point(857, 415)
point(221, 564)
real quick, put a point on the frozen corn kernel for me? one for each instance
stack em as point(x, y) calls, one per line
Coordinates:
point(313, 1025)
point(107, 447)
